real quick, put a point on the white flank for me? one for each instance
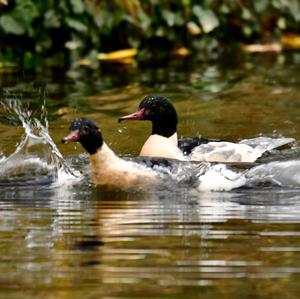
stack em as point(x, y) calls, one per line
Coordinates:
point(225, 152)
point(220, 178)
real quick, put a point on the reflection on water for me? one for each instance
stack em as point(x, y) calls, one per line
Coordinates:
point(112, 244)
point(78, 241)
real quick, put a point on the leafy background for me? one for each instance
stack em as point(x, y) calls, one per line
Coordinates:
point(62, 32)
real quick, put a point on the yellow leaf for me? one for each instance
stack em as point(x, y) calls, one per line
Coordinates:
point(85, 62)
point(291, 41)
point(127, 61)
point(183, 52)
point(118, 55)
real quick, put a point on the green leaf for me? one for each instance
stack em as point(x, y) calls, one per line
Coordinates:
point(77, 6)
point(276, 3)
point(185, 2)
point(51, 19)
point(224, 9)
point(179, 21)
point(10, 25)
point(104, 21)
point(144, 20)
point(25, 11)
point(160, 32)
point(261, 6)
point(247, 30)
point(206, 18)
point(294, 7)
point(19, 20)
point(169, 17)
point(246, 14)
point(77, 25)
point(118, 16)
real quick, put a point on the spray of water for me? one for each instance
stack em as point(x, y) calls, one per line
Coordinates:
point(36, 159)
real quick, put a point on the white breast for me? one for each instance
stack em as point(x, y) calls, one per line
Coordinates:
point(159, 146)
point(109, 169)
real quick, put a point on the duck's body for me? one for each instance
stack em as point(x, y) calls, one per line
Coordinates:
point(224, 152)
point(212, 151)
point(163, 141)
point(110, 170)
point(247, 150)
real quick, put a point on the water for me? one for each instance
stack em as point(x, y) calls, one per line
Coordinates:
point(65, 238)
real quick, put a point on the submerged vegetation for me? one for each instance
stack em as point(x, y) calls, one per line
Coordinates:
point(69, 30)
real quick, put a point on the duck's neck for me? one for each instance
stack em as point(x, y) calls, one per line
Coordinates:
point(159, 146)
point(104, 155)
point(102, 161)
point(174, 138)
point(165, 128)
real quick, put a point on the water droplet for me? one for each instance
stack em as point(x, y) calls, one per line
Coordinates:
point(121, 130)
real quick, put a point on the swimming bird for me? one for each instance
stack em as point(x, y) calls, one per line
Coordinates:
point(163, 141)
point(106, 167)
point(110, 170)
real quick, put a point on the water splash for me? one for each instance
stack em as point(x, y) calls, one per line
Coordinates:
point(280, 173)
point(36, 159)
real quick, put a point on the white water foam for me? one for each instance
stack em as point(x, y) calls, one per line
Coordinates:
point(36, 154)
point(281, 173)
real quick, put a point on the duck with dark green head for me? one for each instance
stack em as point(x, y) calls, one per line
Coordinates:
point(110, 170)
point(163, 141)
point(106, 167)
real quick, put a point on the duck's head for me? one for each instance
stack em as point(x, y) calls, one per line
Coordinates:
point(87, 133)
point(160, 111)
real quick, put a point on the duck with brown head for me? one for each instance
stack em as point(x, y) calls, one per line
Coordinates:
point(163, 141)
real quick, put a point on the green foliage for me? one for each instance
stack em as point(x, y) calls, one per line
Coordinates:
point(206, 18)
point(32, 30)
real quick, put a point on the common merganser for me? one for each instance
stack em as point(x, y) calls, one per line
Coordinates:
point(110, 170)
point(163, 141)
point(106, 167)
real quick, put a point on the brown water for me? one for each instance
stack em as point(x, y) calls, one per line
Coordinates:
point(78, 241)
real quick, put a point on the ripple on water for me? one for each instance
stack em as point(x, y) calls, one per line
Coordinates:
point(79, 241)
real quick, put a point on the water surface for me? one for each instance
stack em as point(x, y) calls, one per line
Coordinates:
point(73, 240)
